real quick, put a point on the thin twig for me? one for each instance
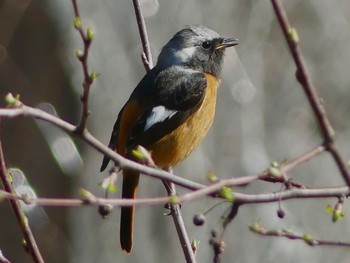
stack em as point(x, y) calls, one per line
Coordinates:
point(241, 198)
point(308, 239)
point(286, 168)
point(83, 58)
point(175, 211)
point(145, 62)
point(310, 91)
point(146, 55)
point(20, 216)
point(3, 259)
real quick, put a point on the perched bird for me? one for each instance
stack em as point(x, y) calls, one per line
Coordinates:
point(171, 109)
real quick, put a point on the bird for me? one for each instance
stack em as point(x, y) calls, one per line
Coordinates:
point(171, 109)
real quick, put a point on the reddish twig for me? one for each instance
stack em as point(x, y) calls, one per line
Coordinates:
point(87, 38)
point(291, 165)
point(285, 168)
point(308, 239)
point(146, 55)
point(3, 259)
point(240, 198)
point(175, 212)
point(310, 91)
point(20, 216)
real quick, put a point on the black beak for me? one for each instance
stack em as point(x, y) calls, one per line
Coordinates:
point(227, 42)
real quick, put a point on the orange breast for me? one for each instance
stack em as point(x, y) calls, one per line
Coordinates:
point(174, 147)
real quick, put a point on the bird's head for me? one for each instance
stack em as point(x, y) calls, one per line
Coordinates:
point(196, 47)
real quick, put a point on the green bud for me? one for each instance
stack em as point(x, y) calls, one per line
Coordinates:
point(173, 199)
point(90, 34)
point(77, 22)
point(226, 192)
point(112, 188)
point(293, 35)
point(25, 246)
point(109, 183)
point(12, 101)
point(329, 209)
point(308, 239)
point(194, 245)
point(25, 221)
point(141, 154)
point(254, 227)
point(274, 171)
point(212, 177)
point(274, 164)
point(337, 214)
point(86, 196)
point(26, 199)
point(257, 228)
point(94, 75)
point(79, 54)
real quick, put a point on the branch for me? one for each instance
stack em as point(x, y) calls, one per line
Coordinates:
point(240, 198)
point(201, 190)
point(175, 211)
point(83, 57)
point(20, 216)
point(303, 77)
point(3, 259)
point(26, 111)
point(289, 166)
point(146, 55)
point(308, 239)
point(283, 169)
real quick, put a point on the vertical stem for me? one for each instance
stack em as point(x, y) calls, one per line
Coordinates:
point(20, 216)
point(88, 80)
point(143, 34)
point(180, 226)
point(314, 100)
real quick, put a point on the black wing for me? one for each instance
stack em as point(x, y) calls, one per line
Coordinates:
point(169, 97)
point(179, 93)
point(143, 94)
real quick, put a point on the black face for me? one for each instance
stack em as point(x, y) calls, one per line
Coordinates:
point(196, 47)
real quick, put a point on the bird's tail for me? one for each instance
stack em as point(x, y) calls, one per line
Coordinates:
point(130, 185)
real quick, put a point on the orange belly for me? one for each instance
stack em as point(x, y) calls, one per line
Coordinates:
point(173, 148)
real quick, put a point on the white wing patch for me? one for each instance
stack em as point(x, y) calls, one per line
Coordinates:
point(158, 114)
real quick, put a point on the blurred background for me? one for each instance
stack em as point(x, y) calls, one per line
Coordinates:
point(262, 115)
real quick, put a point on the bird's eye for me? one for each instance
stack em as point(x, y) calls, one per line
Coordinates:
point(206, 45)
